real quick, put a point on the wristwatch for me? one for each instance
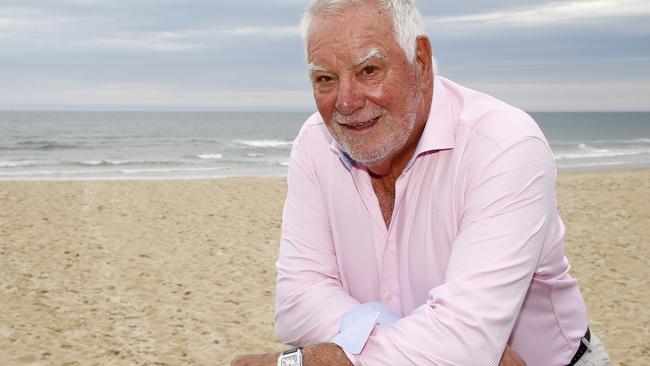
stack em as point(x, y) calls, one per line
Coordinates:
point(292, 357)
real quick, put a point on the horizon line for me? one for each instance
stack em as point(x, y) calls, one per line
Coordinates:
point(275, 110)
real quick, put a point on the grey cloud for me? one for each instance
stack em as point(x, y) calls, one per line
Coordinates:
point(553, 13)
point(108, 52)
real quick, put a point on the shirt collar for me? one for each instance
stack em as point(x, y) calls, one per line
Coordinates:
point(438, 131)
point(345, 158)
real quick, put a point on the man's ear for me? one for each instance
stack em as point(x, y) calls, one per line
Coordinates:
point(424, 60)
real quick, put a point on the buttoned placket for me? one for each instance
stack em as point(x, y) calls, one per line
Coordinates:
point(388, 261)
point(390, 258)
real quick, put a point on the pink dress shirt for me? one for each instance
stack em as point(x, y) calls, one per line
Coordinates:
point(472, 259)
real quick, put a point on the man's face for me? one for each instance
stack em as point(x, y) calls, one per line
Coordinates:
point(365, 89)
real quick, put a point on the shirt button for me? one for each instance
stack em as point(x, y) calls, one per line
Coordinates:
point(388, 295)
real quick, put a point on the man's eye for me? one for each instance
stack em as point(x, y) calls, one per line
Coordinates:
point(369, 70)
point(323, 79)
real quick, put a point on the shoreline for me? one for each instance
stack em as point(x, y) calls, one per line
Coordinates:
point(182, 271)
point(560, 172)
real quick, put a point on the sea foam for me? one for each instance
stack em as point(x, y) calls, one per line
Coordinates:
point(210, 156)
point(21, 163)
point(584, 151)
point(266, 143)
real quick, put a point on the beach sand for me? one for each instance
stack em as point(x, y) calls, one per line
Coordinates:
point(182, 272)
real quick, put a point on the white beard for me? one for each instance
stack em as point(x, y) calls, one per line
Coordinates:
point(394, 134)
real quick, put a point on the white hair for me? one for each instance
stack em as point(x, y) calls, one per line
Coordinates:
point(407, 21)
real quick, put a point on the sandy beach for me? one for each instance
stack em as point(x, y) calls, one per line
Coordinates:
point(182, 272)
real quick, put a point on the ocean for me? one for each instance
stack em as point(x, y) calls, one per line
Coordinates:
point(187, 145)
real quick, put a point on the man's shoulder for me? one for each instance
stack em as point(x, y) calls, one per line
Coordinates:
point(313, 127)
point(314, 137)
point(484, 116)
point(314, 120)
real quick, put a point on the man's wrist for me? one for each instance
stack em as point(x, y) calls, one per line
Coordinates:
point(325, 354)
point(291, 357)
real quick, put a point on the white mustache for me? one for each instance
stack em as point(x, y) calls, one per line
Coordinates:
point(354, 121)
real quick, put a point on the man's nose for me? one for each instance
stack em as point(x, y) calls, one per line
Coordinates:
point(350, 97)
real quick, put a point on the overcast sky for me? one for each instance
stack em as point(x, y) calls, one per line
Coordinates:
point(247, 54)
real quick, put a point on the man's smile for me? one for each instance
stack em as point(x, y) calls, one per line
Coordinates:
point(363, 125)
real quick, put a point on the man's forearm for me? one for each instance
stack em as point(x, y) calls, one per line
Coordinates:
point(325, 354)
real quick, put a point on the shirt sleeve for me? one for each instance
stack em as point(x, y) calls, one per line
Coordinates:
point(310, 300)
point(509, 200)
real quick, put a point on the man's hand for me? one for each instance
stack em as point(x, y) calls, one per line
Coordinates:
point(324, 354)
point(510, 358)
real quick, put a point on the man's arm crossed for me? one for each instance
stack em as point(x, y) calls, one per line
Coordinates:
point(309, 297)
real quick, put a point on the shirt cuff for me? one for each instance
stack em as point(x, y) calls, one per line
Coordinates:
point(356, 326)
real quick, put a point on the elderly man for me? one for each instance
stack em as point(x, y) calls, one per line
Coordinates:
point(420, 226)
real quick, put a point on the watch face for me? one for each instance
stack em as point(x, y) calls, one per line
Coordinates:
point(291, 360)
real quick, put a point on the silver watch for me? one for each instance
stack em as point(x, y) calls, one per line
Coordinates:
point(292, 357)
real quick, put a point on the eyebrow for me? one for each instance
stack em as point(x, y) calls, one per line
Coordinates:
point(315, 68)
point(373, 53)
